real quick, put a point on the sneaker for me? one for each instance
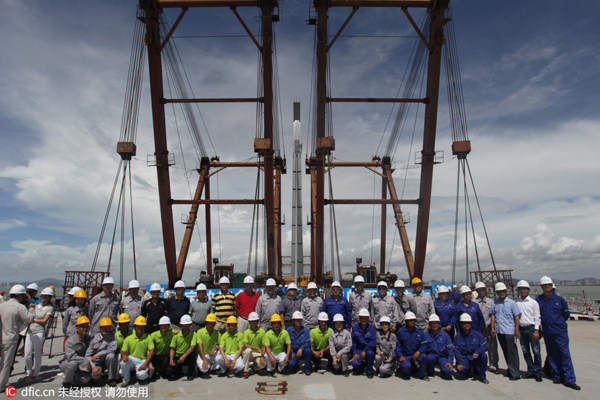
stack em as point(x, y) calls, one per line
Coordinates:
point(124, 384)
point(484, 381)
point(60, 375)
point(246, 375)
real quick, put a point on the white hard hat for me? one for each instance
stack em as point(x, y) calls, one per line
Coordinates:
point(155, 286)
point(353, 286)
point(465, 289)
point(108, 281)
point(479, 285)
point(453, 286)
point(17, 289)
point(382, 283)
point(443, 289)
point(359, 278)
point(399, 283)
point(164, 320)
point(553, 286)
point(248, 279)
point(410, 315)
point(33, 286)
point(179, 284)
point(223, 280)
point(271, 282)
point(185, 320)
point(434, 318)
point(364, 313)
point(47, 291)
point(134, 284)
point(311, 285)
point(201, 286)
point(285, 285)
point(292, 286)
point(500, 286)
point(544, 280)
point(253, 316)
point(385, 318)
point(336, 283)
point(338, 318)
point(72, 292)
point(323, 316)
point(523, 283)
point(297, 315)
point(464, 317)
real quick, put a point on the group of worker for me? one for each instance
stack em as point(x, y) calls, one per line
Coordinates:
point(407, 334)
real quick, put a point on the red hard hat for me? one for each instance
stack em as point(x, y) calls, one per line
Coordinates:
point(3, 293)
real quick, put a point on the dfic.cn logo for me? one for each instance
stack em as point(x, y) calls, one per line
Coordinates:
point(10, 391)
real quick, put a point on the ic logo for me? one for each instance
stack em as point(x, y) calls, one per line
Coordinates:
point(10, 391)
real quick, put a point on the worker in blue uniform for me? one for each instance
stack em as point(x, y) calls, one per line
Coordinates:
point(469, 349)
point(411, 348)
point(300, 337)
point(446, 310)
point(337, 304)
point(471, 308)
point(440, 350)
point(364, 344)
point(555, 313)
point(454, 295)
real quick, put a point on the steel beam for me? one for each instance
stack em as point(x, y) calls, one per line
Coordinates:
point(216, 100)
point(382, 3)
point(278, 222)
point(218, 201)
point(383, 201)
point(206, 3)
point(373, 100)
point(208, 226)
point(384, 188)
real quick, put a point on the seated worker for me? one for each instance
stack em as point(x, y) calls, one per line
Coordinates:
point(76, 366)
point(102, 353)
point(254, 350)
point(469, 349)
point(364, 345)
point(385, 355)
point(300, 338)
point(136, 353)
point(181, 351)
point(411, 347)
point(162, 346)
point(206, 341)
point(123, 331)
point(231, 346)
point(340, 345)
point(319, 342)
point(278, 346)
point(440, 350)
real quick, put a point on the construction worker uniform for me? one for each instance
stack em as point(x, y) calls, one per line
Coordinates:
point(70, 317)
point(162, 346)
point(287, 309)
point(121, 339)
point(251, 356)
point(231, 345)
point(310, 311)
point(131, 306)
point(404, 305)
point(359, 301)
point(266, 307)
point(12, 315)
point(278, 345)
point(106, 349)
point(198, 311)
point(385, 306)
point(485, 303)
point(505, 313)
point(447, 313)
point(102, 306)
point(340, 343)
point(137, 349)
point(425, 308)
point(364, 340)
point(465, 345)
point(153, 313)
point(406, 346)
point(337, 306)
point(181, 344)
point(74, 366)
point(555, 313)
point(440, 351)
point(300, 341)
point(320, 341)
point(208, 341)
point(386, 344)
point(474, 311)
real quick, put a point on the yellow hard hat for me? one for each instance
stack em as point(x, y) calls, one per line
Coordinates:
point(124, 318)
point(82, 320)
point(105, 322)
point(211, 318)
point(276, 318)
point(416, 280)
point(140, 321)
point(80, 294)
point(232, 320)
point(51, 287)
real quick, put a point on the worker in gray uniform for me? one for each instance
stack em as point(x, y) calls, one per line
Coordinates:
point(340, 345)
point(132, 303)
point(289, 305)
point(104, 305)
point(268, 304)
point(385, 354)
point(360, 299)
point(384, 305)
point(311, 307)
point(102, 352)
point(76, 366)
point(405, 303)
point(13, 314)
point(424, 303)
point(485, 303)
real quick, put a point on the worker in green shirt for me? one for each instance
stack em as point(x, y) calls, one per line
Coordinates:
point(319, 342)
point(206, 341)
point(162, 346)
point(231, 345)
point(181, 351)
point(278, 346)
point(136, 353)
point(254, 349)
point(124, 330)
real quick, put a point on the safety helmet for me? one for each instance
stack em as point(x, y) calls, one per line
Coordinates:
point(72, 292)
point(336, 283)
point(479, 285)
point(133, 284)
point(155, 286)
point(464, 317)
point(434, 318)
point(108, 281)
point(232, 320)
point(123, 318)
point(409, 315)
point(500, 286)
point(338, 318)
point(415, 281)
point(323, 316)
point(292, 286)
point(140, 321)
point(399, 283)
point(311, 285)
point(33, 286)
point(385, 318)
point(105, 322)
point(465, 289)
point(185, 320)
point(51, 287)
point(201, 286)
point(359, 278)
point(179, 284)
point(443, 289)
point(224, 280)
point(82, 320)
point(248, 279)
point(164, 320)
point(363, 312)
point(297, 315)
point(211, 318)
point(271, 282)
point(17, 289)
point(382, 283)
point(81, 294)
point(545, 280)
point(47, 291)
point(253, 316)
point(523, 283)
point(275, 318)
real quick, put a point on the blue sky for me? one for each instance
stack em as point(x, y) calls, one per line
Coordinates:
point(531, 80)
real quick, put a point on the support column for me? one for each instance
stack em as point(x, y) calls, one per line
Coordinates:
point(384, 188)
point(208, 227)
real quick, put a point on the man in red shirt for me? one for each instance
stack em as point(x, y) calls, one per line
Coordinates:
point(245, 303)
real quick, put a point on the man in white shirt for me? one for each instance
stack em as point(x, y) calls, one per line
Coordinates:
point(529, 325)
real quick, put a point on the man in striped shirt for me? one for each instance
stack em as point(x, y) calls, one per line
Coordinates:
point(224, 305)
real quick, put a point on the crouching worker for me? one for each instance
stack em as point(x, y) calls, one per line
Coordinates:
point(469, 349)
point(340, 345)
point(254, 349)
point(300, 338)
point(102, 352)
point(440, 350)
point(319, 342)
point(411, 347)
point(385, 356)
point(278, 346)
point(136, 353)
point(181, 351)
point(77, 367)
point(231, 346)
point(207, 341)
point(364, 345)
point(162, 346)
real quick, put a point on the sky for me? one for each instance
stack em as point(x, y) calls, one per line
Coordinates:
point(531, 84)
